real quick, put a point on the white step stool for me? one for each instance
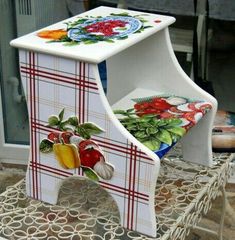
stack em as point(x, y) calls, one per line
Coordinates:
point(74, 131)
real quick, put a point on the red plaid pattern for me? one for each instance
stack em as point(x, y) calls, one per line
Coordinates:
point(52, 83)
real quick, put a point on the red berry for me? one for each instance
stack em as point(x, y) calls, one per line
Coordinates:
point(66, 136)
point(54, 137)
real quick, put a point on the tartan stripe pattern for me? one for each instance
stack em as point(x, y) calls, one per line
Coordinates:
point(52, 83)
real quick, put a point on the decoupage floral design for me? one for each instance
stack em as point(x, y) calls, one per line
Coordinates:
point(160, 121)
point(71, 143)
point(90, 30)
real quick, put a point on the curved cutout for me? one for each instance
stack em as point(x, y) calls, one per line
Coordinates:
point(87, 196)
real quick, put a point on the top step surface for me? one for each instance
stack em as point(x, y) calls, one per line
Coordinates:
point(159, 120)
point(95, 35)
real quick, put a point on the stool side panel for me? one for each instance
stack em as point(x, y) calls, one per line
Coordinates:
point(51, 84)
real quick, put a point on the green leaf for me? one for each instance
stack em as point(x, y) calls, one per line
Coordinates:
point(177, 130)
point(119, 112)
point(90, 173)
point(130, 110)
point(62, 125)
point(91, 128)
point(82, 132)
point(125, 14)
point(131, 127)
point(70, 44)
point(73, 121)
point(161, 122)
point(164, 136)
point(61, 115)
point(151, 130)
point(173, 121)
point(140, 134)
point(152, 144)
point(53, 120)
point(123, 38)
point(90, 41)
point(46, 146)
point(109, 40)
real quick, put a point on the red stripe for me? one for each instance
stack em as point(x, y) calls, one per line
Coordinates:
point(77, 112)
point(79, 83)
point(119, 148)
point(83, 93)
point(34, 116)
point(129, 224)
point(74, 79)
point(133, 186)
point(32, 99)
point(125, 191)
point(106, 185)
point(31, 133)
point(115, 188)
point(52, 170)
point(135, 155)
point(102, 143)
point(79, 96)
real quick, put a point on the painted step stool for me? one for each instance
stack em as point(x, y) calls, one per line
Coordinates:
point(74, 128)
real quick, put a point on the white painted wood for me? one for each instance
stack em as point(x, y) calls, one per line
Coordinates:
point(92, 52)
point(151, 64)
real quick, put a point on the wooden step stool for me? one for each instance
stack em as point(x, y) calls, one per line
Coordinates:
point(74, 130)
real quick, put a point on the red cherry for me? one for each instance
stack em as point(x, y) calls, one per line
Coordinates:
point(66, 136)
point(89, 157)
point(54, 137)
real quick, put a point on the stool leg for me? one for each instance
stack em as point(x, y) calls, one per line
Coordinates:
point(196, 144)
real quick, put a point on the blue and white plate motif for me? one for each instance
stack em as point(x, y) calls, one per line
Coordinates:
point(132, 25)
point(164, 148)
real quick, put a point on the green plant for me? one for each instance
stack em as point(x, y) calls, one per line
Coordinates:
point(85, 130)
point(150, 130)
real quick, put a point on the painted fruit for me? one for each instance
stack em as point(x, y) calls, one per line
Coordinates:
point(89, 157)
point(66, 136)
point(76, 140)
point(104, 170)
point(54, 137)
point(85, 144)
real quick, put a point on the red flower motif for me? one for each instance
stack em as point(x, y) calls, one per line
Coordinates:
point(106, 27)
point(155, 106)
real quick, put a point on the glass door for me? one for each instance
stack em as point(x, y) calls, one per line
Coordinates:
point(14, 131)
point(19, 17)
